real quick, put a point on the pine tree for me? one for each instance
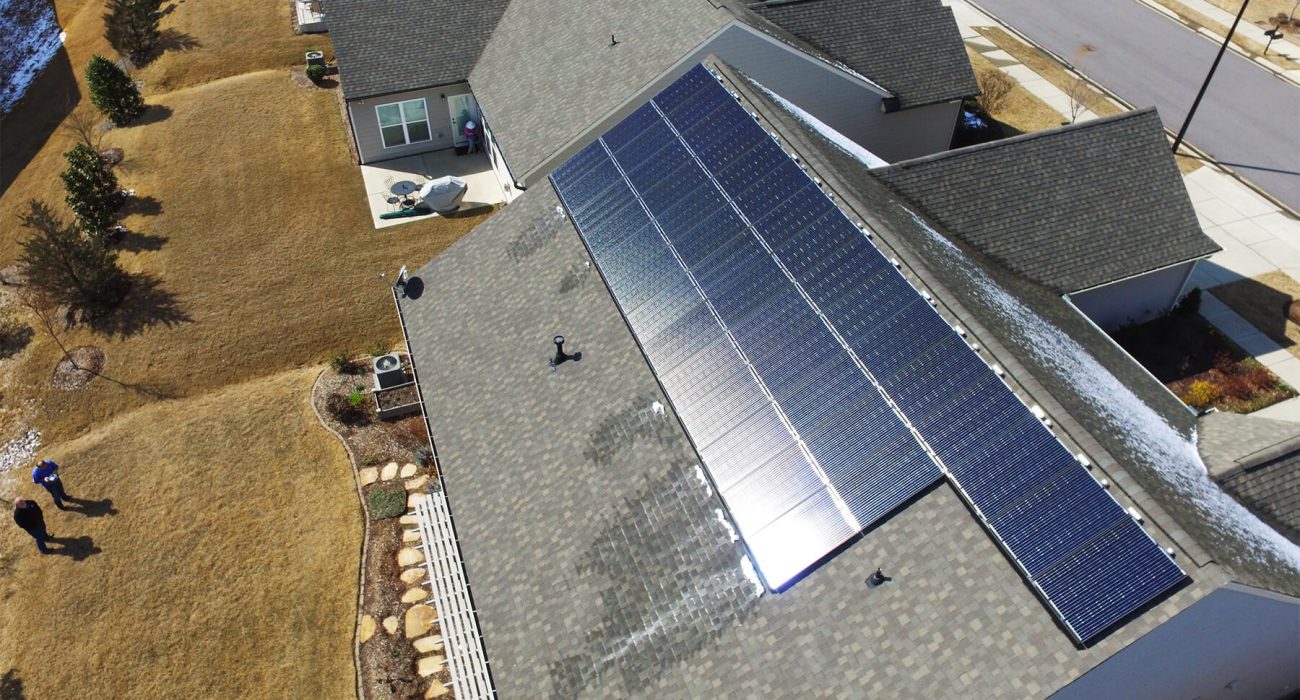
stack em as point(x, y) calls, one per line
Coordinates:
point(92, 192)
point(66, 267)
point(131, 26)
point(112, 91)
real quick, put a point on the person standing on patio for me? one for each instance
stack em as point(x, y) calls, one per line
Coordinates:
point(471, 133)
point(46, 474)
point(28, 516)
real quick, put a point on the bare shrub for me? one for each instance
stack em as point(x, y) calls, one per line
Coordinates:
point(995, 89)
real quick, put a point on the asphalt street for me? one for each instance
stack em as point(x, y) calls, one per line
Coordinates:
point(1249, 118)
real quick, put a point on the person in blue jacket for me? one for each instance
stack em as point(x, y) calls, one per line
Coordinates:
point(47, 475)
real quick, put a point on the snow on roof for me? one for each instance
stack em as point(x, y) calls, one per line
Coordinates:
point(841, 141)
point(32, 39)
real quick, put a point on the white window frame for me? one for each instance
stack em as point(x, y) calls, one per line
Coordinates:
point(401, 113)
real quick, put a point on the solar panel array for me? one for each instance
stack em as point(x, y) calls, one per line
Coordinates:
point(804, 366)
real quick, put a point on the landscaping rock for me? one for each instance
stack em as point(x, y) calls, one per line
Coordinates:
point(390, 471)
point(412, 499)
point(410, 535)
point(436, 689)
point(367, 628)
point(368, 476)
point(424, 645)
point(390, 625)
point(429, 665)
point(409, 556)
point(409, 470)
point(412, 575)
point(418, 483)
point(419, 620)
point(409, 520)
point(414, 595)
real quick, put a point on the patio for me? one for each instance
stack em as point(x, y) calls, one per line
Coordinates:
point(387, 180)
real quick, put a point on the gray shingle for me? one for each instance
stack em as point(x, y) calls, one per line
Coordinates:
point(910, 47)
point(384, 47)
point(549, 72)
point(1070, 208)
point(1257, 460)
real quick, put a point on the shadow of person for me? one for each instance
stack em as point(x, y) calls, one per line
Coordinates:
point(89, 508)
point(11, 686)
point(75, 548)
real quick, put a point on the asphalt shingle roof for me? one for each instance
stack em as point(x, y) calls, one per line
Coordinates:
point(597, 555)
point(384, 47)
point(910, 47)
point(1070, 208)
point(1257, 460)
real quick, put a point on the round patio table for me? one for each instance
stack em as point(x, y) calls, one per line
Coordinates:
point(404, 187)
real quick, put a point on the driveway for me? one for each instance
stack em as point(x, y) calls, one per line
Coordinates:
point(1249, 119)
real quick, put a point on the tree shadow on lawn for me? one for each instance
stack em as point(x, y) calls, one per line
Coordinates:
point(152, 115)
point(141, 206)
point(176, 40)
point(147, 304)
point(11, 686)
point(75, 548)
point(38, 114)
point(135, 242)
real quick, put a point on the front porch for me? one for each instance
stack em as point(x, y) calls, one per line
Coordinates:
point(387, 182)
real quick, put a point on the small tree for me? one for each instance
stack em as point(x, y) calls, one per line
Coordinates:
point(67, 268)
point(112, 92)
point(131, 26)
point(82, 125)
point(92, 192)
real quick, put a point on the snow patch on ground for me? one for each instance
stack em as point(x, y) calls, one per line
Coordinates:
point(19, 450)
point(29, 38)
point(841, 141)
point(1180, 463)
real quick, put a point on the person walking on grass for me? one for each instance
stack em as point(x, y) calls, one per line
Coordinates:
point(47, 475)
point(28, 516)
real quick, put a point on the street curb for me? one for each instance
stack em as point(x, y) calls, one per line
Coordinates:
point(1201, 155)
point(1206, 33)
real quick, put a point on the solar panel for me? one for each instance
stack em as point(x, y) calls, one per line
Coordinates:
point(804, 366)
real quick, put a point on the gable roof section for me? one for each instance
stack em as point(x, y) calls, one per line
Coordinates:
point(1257, 460)
point(910, 47)
point(1070, 208)
point(549, 72)
point(385, 47)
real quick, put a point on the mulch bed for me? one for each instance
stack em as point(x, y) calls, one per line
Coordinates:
point(78, 368)
point(1184, 350)
point(401, 396)
point(387, 663)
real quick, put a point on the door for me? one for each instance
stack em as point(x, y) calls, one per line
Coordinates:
point(462, 108)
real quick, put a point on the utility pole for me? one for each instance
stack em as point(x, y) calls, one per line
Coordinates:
point(1178, 140)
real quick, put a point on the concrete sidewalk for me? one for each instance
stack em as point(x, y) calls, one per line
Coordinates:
point(1286, 47)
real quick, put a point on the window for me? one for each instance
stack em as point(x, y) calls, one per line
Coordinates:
point(401, 123)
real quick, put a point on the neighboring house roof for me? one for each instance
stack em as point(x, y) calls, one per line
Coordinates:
point(550, 72)
point(1070, 208)
point(386, 47)
point(910, 47)
point(1257, 460)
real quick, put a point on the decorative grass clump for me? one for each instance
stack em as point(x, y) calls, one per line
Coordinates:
point(387, 503)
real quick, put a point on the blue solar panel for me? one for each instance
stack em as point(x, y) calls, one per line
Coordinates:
point(684, 222)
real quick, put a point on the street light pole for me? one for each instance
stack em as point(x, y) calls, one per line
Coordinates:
point(1178, 140)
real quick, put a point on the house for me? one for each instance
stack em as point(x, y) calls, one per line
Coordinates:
point(1257, 461)
point(1094, 212)
point(614, 540)
point(540, 75)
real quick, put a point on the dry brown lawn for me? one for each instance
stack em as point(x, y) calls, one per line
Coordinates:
point(1021, 110)
point(228, 569)
point(1263, 301)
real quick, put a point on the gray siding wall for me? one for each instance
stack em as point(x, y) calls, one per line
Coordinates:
point(841, 101)
point(1237, 642)
point(365, 123)
point(1133, 300)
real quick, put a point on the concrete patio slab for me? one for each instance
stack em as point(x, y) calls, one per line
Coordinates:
point(410, 173)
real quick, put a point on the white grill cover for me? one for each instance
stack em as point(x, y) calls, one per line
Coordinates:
point(444, 193)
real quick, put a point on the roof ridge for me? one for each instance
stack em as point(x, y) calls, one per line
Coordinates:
point(1019, 138)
